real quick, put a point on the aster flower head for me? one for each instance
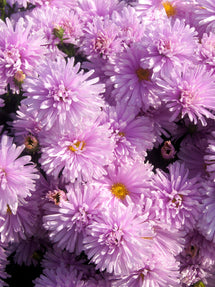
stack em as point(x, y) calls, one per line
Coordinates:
point(179, 196)
point(76, 271)
point(20, 51)
point(29, 251)
point(71, 25)
point(170, 44)
point(101, 38)
point(160, 271)
point(196, 259)
point(190, 92)
point(61, 276)
point(119, 240)
point(133, 79)
point(44, 21)
point(133, 134)
point(67, 223)
point(22, 224)
point(63, 94)
point(17, 175)
point(128, 182)
point(80, 153)
point(131, 26)
point(172, 9)
point(57, 26)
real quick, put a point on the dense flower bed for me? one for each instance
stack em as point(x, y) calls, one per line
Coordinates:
point(107, 143)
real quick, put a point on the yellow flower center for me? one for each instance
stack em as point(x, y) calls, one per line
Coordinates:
point(143, 74)
point(119, 190)
point(9, 210)
point(121, 134)
point(79, 145)
point(177, 200)
point(170, 10)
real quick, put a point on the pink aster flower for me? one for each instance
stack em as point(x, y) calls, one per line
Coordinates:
point(67, 223)
point(170, 44)
point(179, 196)
point(131, 26)
point(63, 95)
point(57, 25)
point(133, 134)
point(61, 276)
point(80, 153)
point(127, 182)
point(29, 251)
point(72, 26)
point(20, 52)
point(182, 9)
point(134, 82)
point(19, 225)
point(196, 259)
point(67, 270)
point(17, 175)
point(44, 20)
point(190, 92)
point(119, 240)
point(101, 38)
point(160, 271)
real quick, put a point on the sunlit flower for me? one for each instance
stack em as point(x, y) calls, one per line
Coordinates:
point(17, 175)
point(80, 153)
point(179, 196)
point(189, 92)
point(119, 240)
point(20, 52)
point(63, 94)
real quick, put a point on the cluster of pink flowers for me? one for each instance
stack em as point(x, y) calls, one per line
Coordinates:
point(107, 142)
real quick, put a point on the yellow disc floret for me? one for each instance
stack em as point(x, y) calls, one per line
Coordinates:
point(169, 8)
point(79, 145)
point(9, 210)
point(119, 190)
